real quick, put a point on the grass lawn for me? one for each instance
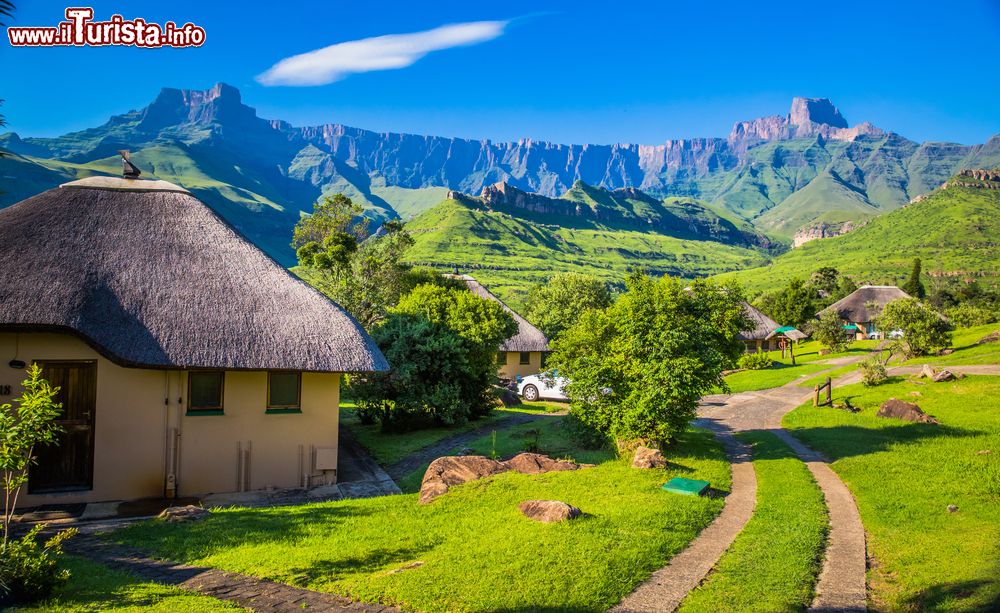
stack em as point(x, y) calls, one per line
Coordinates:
point(774, 562)
point(808, 361)
point(93, 587)
point(963, 341)
point(477, 551)
point(904, 476)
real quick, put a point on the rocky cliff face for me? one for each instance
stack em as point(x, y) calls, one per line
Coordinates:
point(823, 230)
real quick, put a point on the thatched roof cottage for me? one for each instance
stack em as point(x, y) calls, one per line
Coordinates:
point(521, 354)
point(189, 361)
point(763, 336)
point(859, 310)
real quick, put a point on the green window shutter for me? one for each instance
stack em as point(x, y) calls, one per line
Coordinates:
point(283, 390)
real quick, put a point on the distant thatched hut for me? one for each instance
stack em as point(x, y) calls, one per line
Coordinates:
point(521, 354)
point(859, 310)
point(189, 361)
point(763, 336)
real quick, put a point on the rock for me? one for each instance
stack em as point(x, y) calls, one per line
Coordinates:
point(944, 375)
point(536, 463)
point(646, 457)
point(414, 564)
point(946, 352)
point(185, 513)
point(448, 471)
point(907, 411)
point(984, 452)
point(992, 337)
point(916, 394)
point(509, 398)
point(548, 510)
point(927, 371)
point(952, 508)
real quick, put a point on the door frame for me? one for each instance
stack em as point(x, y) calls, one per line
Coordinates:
point(89, 485)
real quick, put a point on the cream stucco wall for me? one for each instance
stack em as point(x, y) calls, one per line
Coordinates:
point(512, 367)
point(139, 412)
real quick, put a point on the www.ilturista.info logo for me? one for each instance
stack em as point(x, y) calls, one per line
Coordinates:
point(80, 30)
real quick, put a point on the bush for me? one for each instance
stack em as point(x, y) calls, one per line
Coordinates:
point(969, 315)
point(829, 331)
point(755, 361)
point(873, 371)
point(441, 344)
point(638, 368)
point(29, 572)
point(924, 331)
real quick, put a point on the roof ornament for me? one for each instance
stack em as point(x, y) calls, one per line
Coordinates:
point(129, 170)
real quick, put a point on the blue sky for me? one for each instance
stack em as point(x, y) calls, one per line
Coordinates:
point(560, 71)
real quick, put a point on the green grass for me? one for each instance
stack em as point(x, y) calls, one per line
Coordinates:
point(774, 562)
point(94, 587)
point(478, 551)
point(808, 361)
point(966, 350)
point(904, 476)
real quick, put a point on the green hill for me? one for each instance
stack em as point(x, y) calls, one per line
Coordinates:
point(955, 231)
point(510, 253)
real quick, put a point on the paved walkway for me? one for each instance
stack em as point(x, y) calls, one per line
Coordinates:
point(973, 369)
point(358, 474)
point(667, 587)
point(248, 592)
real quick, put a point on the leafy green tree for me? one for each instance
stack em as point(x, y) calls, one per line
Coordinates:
point(825, 279)
point(967, 315)
point(924, 330)
point(794, 305)
point(557, 304)
point(364, 274)
point(442, 344)
point(913, 285)
point(829, 331)
point(638, 368)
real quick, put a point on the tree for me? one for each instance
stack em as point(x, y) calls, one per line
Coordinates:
point(825, 279)
point(829, 331)
point(363, 273)
point(924, 330)
point(638, 368)
point(793, 306)
point(442, 345)
point(556, 305)
point(913, 286)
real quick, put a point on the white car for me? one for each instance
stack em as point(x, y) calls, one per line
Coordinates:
point(545, 385)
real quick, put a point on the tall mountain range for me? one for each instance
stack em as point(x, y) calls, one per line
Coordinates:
point(808, 172)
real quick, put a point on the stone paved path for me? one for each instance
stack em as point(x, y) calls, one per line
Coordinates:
point(667, 587)
point(248, 592)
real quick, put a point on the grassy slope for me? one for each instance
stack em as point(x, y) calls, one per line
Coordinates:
point(808, 361)
point(904, 475)
point(963, 341)
point(93, 587)
point(774, 562)
point(825, 199)
point(478, 551)
point(954, 231)
point(510, 254)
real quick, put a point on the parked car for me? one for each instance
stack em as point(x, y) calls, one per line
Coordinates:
point(544, 385)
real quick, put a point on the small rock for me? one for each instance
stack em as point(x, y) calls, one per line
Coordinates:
point(907, 411)
point(548, 510)
point(927, 371)
point(952, 508)
point(944, 375)
point(916, 393)
point(415, 564)
point(646, 457)
point(984, 452)
point(992, 337)
point(946, 352)
point(536, 464)
point(185, 513)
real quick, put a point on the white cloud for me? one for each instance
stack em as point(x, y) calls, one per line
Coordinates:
point(389, 52)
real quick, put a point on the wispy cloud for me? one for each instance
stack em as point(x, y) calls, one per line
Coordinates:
point(389, 52)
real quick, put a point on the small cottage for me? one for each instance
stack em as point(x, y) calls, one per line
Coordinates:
point(522, 354)
point(764, 335)
point(188, 361)
point(859, 310)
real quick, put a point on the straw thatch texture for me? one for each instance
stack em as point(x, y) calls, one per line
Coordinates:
point(156, 279)
point(854, 307)
point(763, 327)
point(528, 337)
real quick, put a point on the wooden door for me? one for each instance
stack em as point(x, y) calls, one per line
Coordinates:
point(69, 464)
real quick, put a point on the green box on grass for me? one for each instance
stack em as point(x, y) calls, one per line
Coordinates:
point(688, 487)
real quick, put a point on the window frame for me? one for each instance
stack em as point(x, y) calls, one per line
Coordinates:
point(207, 410)
point(502, 358)
point(524, 359)
point(284, 408)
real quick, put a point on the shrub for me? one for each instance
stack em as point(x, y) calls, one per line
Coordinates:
point(873, 371)
point(924, 330)
point(29, 571)
point(755, 361)
point(557, 304)
point(638, 368)
point(829, 331)
point(969, 315)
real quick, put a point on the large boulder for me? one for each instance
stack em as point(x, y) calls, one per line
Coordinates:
point(907, 411)
point(536, 464)
point(548, 510)
point(448, 471)
point(185, 513)
point(927, 371)
point(647, 457)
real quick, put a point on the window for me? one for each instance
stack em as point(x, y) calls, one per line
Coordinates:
point(525, 358)
point(502, 358)
point(205, 392)
point(283, 391)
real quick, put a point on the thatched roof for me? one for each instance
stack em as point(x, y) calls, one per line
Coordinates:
point(154, 278)
point(764, 326)
point(854, 307)
point(528, 337)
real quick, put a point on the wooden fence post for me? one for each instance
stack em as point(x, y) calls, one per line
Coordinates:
point(816, 396)
point(829, 392)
